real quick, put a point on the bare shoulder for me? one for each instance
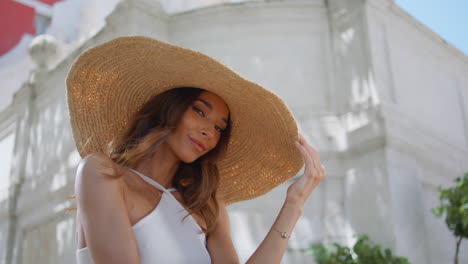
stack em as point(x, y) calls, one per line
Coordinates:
point(102, 211)
point(219, 242)
point(223, 219)
point(98, 163)
point(95, 177)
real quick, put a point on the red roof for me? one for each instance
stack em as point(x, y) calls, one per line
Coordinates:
point(16, 19)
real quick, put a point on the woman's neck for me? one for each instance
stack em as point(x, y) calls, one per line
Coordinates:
point(161, 167)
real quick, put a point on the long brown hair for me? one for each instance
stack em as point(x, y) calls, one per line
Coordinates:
point(149, 127)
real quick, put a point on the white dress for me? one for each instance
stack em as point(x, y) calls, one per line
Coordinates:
point(162, 236)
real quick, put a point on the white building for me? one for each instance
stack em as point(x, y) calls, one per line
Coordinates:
point(382, 98)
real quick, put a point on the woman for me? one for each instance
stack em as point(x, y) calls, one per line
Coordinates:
point(169, 137)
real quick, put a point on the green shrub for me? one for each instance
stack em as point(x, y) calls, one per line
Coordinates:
point(454, 203)
point(364, 251)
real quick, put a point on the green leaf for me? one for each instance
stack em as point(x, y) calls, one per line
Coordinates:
point(454, 202)
point(365, 251)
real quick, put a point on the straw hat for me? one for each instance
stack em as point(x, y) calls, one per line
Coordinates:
point(110, 82)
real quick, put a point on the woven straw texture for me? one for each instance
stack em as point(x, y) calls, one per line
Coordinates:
point(107, 84)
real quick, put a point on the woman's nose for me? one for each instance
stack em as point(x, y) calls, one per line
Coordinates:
point(206, 132)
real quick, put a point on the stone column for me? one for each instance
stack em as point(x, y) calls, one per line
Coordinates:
point(42, 51)
point(358, 198)
point(355, 89)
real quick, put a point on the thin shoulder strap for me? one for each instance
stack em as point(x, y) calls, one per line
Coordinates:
point(152, 182)
point(160, 187)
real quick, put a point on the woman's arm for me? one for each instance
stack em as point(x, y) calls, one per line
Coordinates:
point(103, 214)
point(219, 242)
point(272, 248)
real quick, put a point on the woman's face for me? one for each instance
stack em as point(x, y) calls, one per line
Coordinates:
point(200, 127)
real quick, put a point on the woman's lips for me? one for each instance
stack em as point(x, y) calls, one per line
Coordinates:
point(198, 146)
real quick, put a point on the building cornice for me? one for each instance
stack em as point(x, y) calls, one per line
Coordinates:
point(39, 7)
point(389, 6)
point(393, 130)
point(248, 5)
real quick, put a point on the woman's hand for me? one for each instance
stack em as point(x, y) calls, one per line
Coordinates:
point(272, 248)
point(314, 172)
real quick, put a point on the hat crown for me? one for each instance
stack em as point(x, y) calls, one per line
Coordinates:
point(110, 82)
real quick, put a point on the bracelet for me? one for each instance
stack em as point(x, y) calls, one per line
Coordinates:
point(283, 234)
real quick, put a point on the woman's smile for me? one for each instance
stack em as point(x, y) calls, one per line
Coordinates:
point(200, 127)
point(197, 145)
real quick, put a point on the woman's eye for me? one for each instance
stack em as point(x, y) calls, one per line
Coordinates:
point(218, 129)
point(200, 112)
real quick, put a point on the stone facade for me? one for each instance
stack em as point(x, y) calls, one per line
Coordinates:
point(383, 99)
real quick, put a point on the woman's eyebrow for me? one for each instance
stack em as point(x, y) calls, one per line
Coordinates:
point(211, 108)
point(206, 103)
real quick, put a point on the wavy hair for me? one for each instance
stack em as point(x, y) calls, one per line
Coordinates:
point(149, 127)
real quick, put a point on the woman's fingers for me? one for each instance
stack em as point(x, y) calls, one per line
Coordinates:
point(311, 150)
point(314, 164)
point(312, 176)
point(305, 155)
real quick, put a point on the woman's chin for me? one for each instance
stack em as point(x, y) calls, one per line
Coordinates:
point(189, 158)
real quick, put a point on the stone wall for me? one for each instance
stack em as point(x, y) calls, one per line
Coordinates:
point(382, 99)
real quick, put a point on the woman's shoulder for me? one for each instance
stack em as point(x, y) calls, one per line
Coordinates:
point(97, 171)
point(219, 242)
point(97, 181)
point(103, 215)
point(100, 162)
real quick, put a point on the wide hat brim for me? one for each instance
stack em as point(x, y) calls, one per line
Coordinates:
point(107, 84)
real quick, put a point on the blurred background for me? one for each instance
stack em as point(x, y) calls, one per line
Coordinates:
point(373, 84)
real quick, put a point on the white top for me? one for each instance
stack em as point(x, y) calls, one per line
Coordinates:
point(162, 236)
